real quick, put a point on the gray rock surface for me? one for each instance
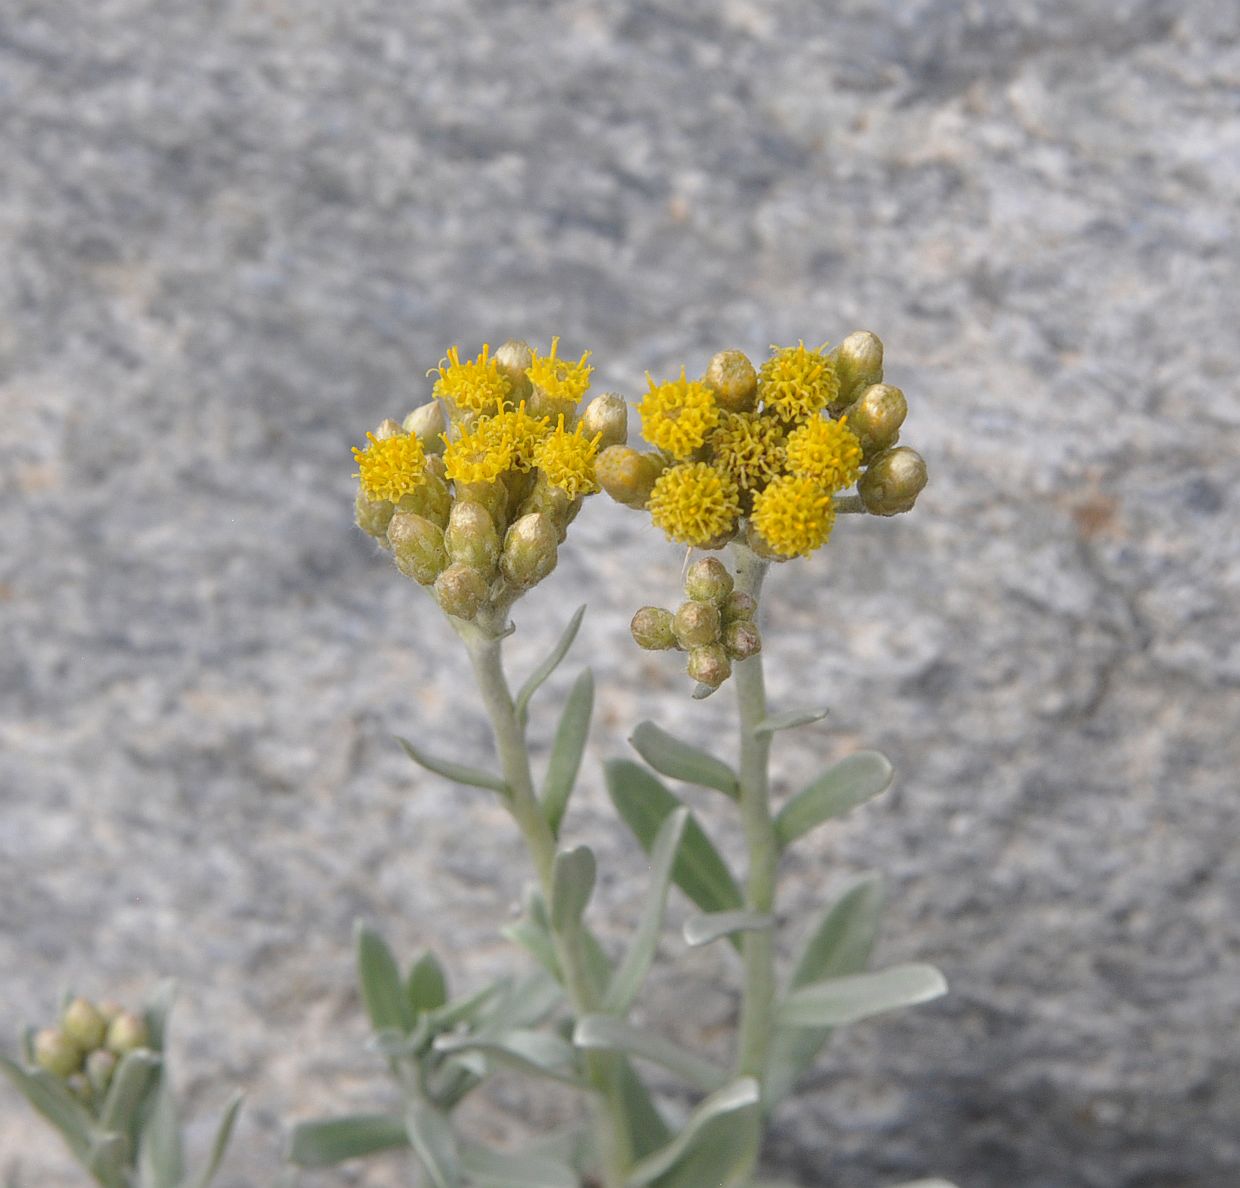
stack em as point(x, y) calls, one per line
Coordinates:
point(237, 234)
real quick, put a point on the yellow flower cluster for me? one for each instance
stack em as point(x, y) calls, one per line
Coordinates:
point(390, 467)
point(475, 386)
point(678, 416)
point(695, 504)
point(561, 383)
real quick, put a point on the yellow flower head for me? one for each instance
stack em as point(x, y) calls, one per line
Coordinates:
point(474, 386)
point(558, 380)
point(827, 452)
point(678, 416)
point(567, 459)
point(694, 503)
point(796, 382)
point(749, 447)
point(479, 455)
point(390, 467)
point(793, 515)
point(522, 432)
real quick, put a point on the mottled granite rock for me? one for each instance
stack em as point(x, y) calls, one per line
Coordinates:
point(237, 234)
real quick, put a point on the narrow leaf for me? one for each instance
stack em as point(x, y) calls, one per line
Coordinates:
point(789, 720)
point(527, 1001)
point(572, 884)
point(459, 772)
point(717, 1147)
point(537, 1052)
point(426, 987)
point(926, 1184)
point(702, 930)
point(384, 996)
point(682, 761)
point(462, 1010)
point(431, 1134)
point(548, 666)
point(329, 1141)
point(632, 972)
point(50, 1097)
point(847, 1000)
point(158, 1008)
point(536, 941)
point(223, 1132)
point(842, 787)
point(570, 744)
point(108, 1159)
point(495, 1169)
point(647, 1129)
point(134, 1075)
point(160, 1163)
point(608, 1034)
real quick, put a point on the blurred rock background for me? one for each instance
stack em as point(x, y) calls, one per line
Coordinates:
point(235, 236)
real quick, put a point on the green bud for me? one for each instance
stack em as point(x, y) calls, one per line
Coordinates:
point(418, 546)
point(652, 629)
point(696, 623)
point(893, 481)
point(741, 640)
point(607, 414)
point(876, 416)
point(551, 502)
point(109, 1009)
point(83, 1024)
point(858, 363)
point(628, 475)
point(388, 428)
point(471, 537)
point(100, 1066)
point(81, 1088)
point(432, 500)
point(739, 608)
point(513, 357)
point(57, 1053)
point(529, 551)
point(428, 423)
point(709, 665)
point(731, 376)
point(708, 580)
point(461, 591)
point(493, 496)
point(372, 515)
point(127, 1033)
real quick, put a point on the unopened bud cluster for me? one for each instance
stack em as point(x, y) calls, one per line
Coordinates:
point(474, 492)
point(715, 625)
point(85, 1048)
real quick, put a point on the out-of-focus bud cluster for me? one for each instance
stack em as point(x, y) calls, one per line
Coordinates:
point(85, 1048)
point(715, 625)
point(474, 492)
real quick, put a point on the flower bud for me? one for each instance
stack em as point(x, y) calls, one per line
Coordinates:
point(83, 1024)
point(388, 428)
point(627, 475)
point(739, 608)
point(758, 544)
point(708, 580)
point(56, 1052)
point(418, 546)
point(652, 629)
point(372, 515)
point(529, 551)
point(81, 1088)
point(608, 415)
point(858, 363)
point(512, 358)
point(696, 623)
point(461, 591)
point(100, 1065)
point(732, 378)
point(471, 538)
point(109, 1009)
point(126, 1033)
point(709, 665)
point(493, 496)
point(428, 423)
point(893, 481)
point(741, 640)
point(553, 502)
point(876, 416)
point(431, 500)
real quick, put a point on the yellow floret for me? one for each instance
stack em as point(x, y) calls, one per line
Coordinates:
point(694, 503)
point(561, 382)
point(567, 459)
point(390, 467)
point(793, 515)
point(749, 447)
point(678, 416)
point(796, 382)
point(479, 455)
point(826, 451)
point(522, 432)
point(473, 386)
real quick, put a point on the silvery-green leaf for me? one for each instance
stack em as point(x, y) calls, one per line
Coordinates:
point(328, 1141)
point(431, 1134)
point(606, 1033)
point(160, 1163)
point(109, 1158)
point(156, 1012)
point(926, 1184)
point(548, 666)
point(459, 772)
point(537, 1052)
point(849, 783)
point(647, 1129)
point(572, 884)
point(494, 1169)
point(566, 751)
point(702, 930)
point(536, 941)
point(382, 993)
point(50, 1097)
point(789, 720)
point(633, 969)
point(426, 987)
point(223, 1132)
point(462, 1010)
point(682, 761)
point(718, 1146)
point(134, 1076)
point(850, 999)
point(528, 1000)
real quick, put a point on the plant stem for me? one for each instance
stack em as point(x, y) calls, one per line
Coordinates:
point(758, 947)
